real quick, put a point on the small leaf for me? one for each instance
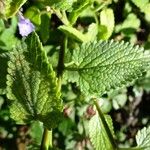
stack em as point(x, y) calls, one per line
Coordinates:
point(92, 32)
point(78, 8)
point(45, 24)
point(131, 22)
point(73, 33)
point(98, 135)
point(32, 85)
point(36, 132)
point(7, 36)
point(8, 8)
point(105, 65)
point(33, 13)
point(143, 138)
point(107, 23)
point(59, 4)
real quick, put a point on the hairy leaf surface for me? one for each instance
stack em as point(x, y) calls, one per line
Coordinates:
point(98, 135)
point(32, 85)
point(143, 138)
point(106, 65)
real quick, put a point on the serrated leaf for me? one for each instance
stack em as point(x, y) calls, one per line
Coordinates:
point(143, 138)
point(106, 65)
point(98, 135)
point(32, 85)
point(8, 8)
point(107, 21)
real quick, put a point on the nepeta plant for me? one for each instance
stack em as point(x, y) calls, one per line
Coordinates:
point(97, 65)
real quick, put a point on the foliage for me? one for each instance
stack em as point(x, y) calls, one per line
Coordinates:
point(143, 138)
point(31, 85)
point(68, 77)
point(104, 60)
point(98, 134)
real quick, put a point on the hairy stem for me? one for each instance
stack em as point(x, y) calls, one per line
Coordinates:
point(46, 140)
point(109, 134)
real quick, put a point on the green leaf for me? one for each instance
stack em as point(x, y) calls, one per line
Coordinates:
point(59, 4)
point(107, 21)
point(45, 24)
point(8, 8)
point(143, 138)
point(144, 6)
point(78, 8)
point(92, 32)
point(73, 33)
point(98, 135)
point(131, 22)
point(105, 65)
point(34, 14)
point(32, 85)
point(36, 132)
point(7, 36)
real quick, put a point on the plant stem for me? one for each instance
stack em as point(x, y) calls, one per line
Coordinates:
point(109, 134)
point(60, 67)
point(46, 140)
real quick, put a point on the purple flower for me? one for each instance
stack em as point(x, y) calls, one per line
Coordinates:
point(25, 26)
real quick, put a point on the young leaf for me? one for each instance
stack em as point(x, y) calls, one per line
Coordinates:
point(8, 8)
point(107, 23)
point(106, 65)
point(143, 138)
point(78, 7)
point(59, 4)
point(45, 24)
point(73, 33)
point(32, 85)
point(98, 135)
point(92, 32)
point(7, 36)
point(34, 14)
point(131, 22)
